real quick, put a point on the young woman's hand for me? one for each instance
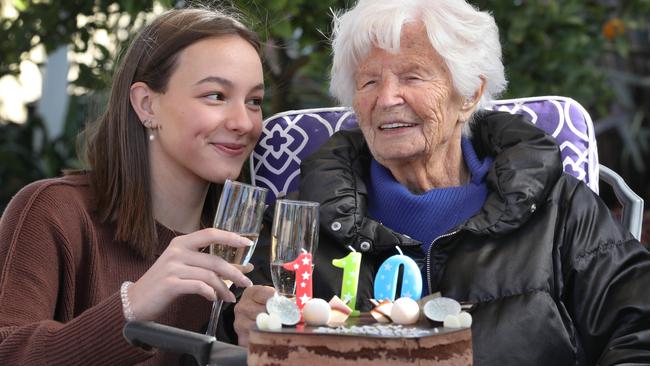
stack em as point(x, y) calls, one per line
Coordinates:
point(182, 269)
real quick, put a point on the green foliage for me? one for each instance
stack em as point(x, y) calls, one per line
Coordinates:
point(28, 153)
point(297, 54)
point(552, 47)
point(55, 23)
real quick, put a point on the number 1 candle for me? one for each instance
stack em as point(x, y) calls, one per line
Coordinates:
point(386, 278)
point(351, 265)
point(303, 268)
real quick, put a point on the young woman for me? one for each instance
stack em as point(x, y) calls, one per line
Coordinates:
point(183, 115)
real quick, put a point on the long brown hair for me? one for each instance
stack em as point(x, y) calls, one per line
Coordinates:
point(116, 144)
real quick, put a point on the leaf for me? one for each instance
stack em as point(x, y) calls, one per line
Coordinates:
point(622, 47)
point(283, 29)
point(20, 5)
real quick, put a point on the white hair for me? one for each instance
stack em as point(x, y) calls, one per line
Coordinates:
point(467, 40)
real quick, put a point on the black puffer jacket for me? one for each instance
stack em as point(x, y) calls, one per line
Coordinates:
point(555, 280)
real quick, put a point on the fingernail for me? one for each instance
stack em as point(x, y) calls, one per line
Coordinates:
point(247, 282)
point(248, 242)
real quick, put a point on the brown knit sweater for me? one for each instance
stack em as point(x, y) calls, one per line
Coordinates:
point(60, 276)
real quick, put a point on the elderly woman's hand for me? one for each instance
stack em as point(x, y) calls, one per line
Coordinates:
point(251, 303)
point(182, 269)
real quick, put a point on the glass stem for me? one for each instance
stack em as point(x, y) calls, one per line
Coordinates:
point(214, 318)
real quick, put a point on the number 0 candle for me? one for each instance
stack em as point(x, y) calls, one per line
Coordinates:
point(303, 268)
point(350, 264)
point(386, 278)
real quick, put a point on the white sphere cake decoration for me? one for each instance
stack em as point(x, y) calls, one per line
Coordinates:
point(465, 319)
point(405, 311)
point(316, 312)
point(274, 323)
point(437, 309)
point(262, 321)
point(451, 321)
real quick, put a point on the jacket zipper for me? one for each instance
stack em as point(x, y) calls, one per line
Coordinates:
point(429, 256)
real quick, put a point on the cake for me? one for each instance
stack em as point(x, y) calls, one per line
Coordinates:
point(361, 341)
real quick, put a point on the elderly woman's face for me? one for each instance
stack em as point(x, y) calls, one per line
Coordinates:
point(405, 102)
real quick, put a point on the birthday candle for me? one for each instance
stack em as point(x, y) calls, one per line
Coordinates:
point(386, 278)
point(351, 265)
point(303, 268)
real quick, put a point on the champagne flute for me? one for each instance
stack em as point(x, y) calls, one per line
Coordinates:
point(294, 231)
point(240, 211)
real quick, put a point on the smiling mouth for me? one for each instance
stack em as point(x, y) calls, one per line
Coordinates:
point(230, 149)
point(395, 125)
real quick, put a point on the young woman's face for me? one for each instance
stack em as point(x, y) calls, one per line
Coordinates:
point(210, 116)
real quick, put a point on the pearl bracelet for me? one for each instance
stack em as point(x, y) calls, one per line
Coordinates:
point(126, 304)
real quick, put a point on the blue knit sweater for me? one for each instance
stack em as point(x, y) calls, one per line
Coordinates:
point(426, 216)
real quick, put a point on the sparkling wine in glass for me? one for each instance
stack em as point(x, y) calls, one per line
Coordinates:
point(294, 231)
point(284, 281)
point(240, 211)
point(235, 255)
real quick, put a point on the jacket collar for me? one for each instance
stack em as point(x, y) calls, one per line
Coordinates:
point(527, 165)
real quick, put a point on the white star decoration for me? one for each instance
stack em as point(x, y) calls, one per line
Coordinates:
point(406, 294)
point(303, 285)
point(388, 266)
point(388, 287)
point(347, 298)
point(304, 298)
point(348, 282)
point(406, 282)
point(296, 266)
point(305, 276)
point(352, 273)
point(305, 261)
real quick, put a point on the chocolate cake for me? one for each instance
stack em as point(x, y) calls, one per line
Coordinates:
point(361, 341)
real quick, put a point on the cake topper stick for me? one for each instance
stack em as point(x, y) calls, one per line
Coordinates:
point(351, 265)
point(386, 278)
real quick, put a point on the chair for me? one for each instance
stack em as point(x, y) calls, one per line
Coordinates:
point(289, 137)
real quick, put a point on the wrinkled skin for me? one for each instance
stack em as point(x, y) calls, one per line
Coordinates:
point(252, 302)
point(413, 87)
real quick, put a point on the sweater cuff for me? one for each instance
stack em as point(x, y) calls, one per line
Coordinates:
point(95, 338)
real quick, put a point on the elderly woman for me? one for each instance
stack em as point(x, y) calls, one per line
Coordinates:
point(489, 216)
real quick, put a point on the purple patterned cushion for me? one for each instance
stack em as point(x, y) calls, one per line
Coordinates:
point(570, 124)
point(289, 137)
